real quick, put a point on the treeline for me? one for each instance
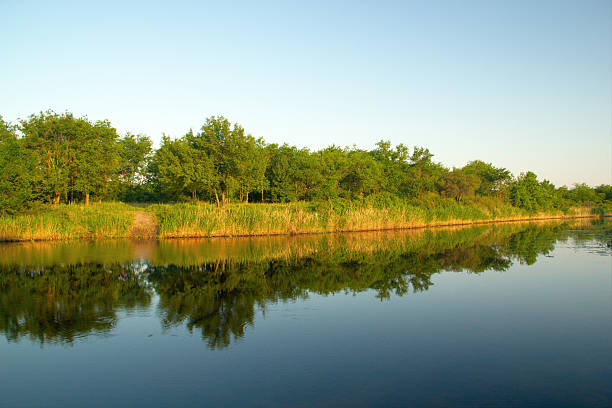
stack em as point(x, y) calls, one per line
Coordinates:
point(58, 158)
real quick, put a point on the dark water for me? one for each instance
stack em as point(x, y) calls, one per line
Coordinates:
point(507, 315)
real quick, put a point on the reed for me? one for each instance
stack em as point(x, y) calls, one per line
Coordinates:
point(206, 220)
point(98, 220)
point(114, 220)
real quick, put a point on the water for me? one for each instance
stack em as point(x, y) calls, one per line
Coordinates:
point(506, 315)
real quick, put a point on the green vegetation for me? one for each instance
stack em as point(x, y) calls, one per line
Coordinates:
point(115, 220)
point(50, 162)
point(206, 220)
point(98, 220)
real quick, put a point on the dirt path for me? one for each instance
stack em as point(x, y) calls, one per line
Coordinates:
point(144, 225)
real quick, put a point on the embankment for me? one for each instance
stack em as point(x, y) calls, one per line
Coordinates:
point(117, 220)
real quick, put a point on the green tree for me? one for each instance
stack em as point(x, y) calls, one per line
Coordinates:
point(605, 191)
point(332, 166)
point(583, 194)
point(422, 173)
point(71, 155)
point(528, 193)
point(457, 184)
point(97, 161)
point(51, 140)
point(233, 154)
point(281, 173)
point(16, 171)
point(493, 180)
point(363, 175)
point(393, 163)
point(135, 151)
point(182, 167)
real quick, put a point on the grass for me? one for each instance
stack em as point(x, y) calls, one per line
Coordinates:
point(205, 220)
point(114, 220)
point(99, 220)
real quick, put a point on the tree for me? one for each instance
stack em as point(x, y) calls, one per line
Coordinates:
point(582, 193)
point(493, 180)
point(71, 155)
point(422, 173)
point(281, 173)
point(528, 193)
point(182, 167)
point(605, 191)
point(50, 139)
point(257, 169)
point(97, 160)
point(16, 171)
point(393, 163)
point(332, 165)
point(457, 184)
point(363, 175)
point(135, 151)
point(233, 155)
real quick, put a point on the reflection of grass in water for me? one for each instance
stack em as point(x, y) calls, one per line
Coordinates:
point(44, 253)
point(248, 249)
point(220, 296)
point(218, 250)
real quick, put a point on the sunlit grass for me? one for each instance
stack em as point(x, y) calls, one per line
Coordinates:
point(206, 220)
point(113, 220)
point(98, 220)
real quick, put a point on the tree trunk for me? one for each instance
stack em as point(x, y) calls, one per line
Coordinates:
point(262, 193)
point(86, 199)
point(194, 196)
point(216, 197)
point(247, 197)
point(56, 199)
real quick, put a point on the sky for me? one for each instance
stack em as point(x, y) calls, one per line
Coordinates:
point(525, 85)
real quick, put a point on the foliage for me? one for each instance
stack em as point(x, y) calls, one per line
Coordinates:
point(58, 158)
point(16, 172)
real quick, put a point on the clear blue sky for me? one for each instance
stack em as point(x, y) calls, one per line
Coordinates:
point(526, 85)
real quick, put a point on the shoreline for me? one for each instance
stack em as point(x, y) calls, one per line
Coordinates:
point(157, 235)
point(407, 228)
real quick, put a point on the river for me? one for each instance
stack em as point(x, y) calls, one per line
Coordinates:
point(516, 314)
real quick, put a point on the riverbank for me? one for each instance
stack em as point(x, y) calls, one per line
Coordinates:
point(120, 220)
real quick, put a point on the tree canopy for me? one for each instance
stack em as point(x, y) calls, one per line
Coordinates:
point(53, 158)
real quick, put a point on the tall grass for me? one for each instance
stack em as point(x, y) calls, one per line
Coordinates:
point(206, 220)
point(246, 250)
point(113, 220)
point(98, 220)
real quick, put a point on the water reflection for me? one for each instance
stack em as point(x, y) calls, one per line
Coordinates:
point(59, 303)
point(58, 293)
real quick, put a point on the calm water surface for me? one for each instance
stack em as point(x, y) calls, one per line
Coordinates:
point(506, 315)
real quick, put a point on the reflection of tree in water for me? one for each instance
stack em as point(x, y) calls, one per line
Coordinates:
point(220, 299)
point(60, 303)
